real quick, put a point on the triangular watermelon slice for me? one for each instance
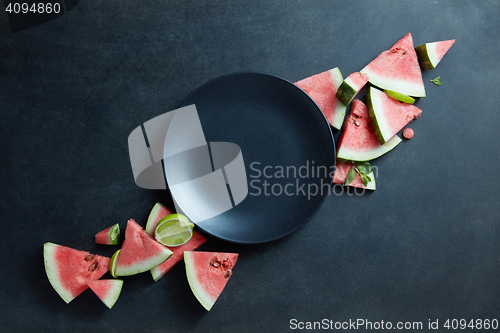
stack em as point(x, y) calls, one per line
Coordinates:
point(108, 290)
point(388, 115)
point(358, 141)
point(178, 254)
point(108, 236)
point(397, 69)
point(69, 269)
point(430, 54)
point(158, 212)
point(208, 273)
point(350, 87)
point(322, 88)
point(340, 176)
point(140, 252)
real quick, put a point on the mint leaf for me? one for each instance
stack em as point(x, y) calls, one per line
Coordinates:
point(365, 179)
point(350, 176)
point(364, 168)
point(437, 81)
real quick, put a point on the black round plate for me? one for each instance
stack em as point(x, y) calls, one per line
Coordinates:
point(287, 147)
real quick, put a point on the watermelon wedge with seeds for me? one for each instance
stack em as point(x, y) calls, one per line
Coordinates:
point(359, 141)
point(108, 290)
point(340, 176)
point(178, 254)
point(208, 274)
point(140, 252)
point(397, 69)
point(350, 87)
point(68, 269)
point(430, 54)
point(388, 115)
point(322, 88)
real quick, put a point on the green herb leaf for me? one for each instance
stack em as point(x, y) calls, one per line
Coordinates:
point(350, 176)
point(364, 168)
point(365, 179)
point(437, 81)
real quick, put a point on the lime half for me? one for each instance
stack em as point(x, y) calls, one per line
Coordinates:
point(400, 97)
point(174, 230)
point(112, 263)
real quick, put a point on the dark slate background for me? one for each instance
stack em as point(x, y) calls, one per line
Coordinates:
point(424, 246)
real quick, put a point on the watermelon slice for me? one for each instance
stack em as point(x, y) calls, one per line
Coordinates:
point(140, 252)
point(322, 88)
point(341, 171)
point(388, 115)
point(430, 54)
point(107, 290)
point(208, 273)
point(350, 87)
point(397, 69)
point(178, 254)
point(358, 141)
point(158, 212)
point(69, 269)
point(108, 236)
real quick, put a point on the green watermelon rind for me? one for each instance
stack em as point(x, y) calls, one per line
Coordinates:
point(110, 299)
point(51, 270)
point(338, 119)
point(431, 54)
point(424, 58)
point(346, 154)
point(375, 111)
point(348, 89)
point(374, 118)
point(345, 93)
point(114, 234)
point(199, 292)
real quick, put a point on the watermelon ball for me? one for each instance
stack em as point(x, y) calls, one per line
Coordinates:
point(408, 133)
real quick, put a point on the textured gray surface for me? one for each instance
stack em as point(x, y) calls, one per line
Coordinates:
point(425, 245)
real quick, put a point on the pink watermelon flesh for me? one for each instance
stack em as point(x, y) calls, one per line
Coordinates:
point(359, 141)
point(340, 176)
point(208, 273)
point(397, 69)
point(140, 252)
point(430, 54)
point(389, 115)
point(108, 236)
point(322, 88)
point(69, 269)
point(158, 212)
point(107, 290)
point(178, 254)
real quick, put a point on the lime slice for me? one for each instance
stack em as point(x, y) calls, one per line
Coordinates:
point(174, 230)
point(400, 97)
point(112, 263)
